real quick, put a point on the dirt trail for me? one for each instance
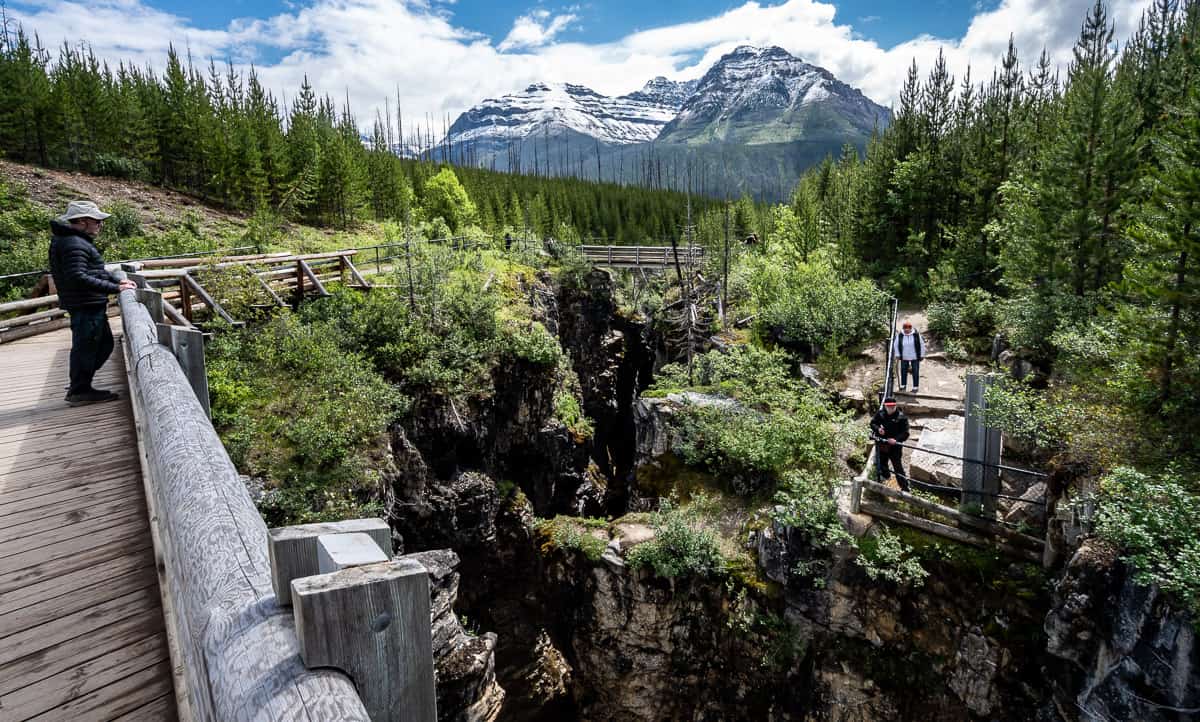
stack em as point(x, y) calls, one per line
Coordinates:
point(942, 380)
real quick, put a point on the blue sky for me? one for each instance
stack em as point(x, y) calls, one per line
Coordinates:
point(888, 23)
point(439, 57)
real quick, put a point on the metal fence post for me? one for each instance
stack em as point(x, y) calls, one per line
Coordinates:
point(981, 451)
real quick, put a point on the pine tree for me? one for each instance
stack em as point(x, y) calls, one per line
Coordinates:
point(1166, 276)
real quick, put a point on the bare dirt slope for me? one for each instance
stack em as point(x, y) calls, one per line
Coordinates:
point(160, 208)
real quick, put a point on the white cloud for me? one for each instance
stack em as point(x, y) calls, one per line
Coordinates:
point(370, 49)
point(535, 30)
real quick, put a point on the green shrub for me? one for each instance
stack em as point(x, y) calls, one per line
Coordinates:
point(117, 166)
point(297, 410)
point(776, 424)
point(124, 221)
point(531, 342)
point(571, 534)
point(968, 319)
point(1153, 521)
point(804, 501)
point(567, 408)
point(24, 239)
point(682, 545)
point(810, 309)
point(264, 230)
point(884, 556)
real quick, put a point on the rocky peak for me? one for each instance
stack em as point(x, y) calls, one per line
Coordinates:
point(565, 107)
point(767, 95)
point(663, 92)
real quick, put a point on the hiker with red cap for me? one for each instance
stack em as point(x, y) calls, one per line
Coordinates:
point(889, 428)
point(909, 348)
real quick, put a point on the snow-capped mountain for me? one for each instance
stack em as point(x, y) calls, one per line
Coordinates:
point(766, 95)
point(542, 107)
point(665, 93)
point(756, 120)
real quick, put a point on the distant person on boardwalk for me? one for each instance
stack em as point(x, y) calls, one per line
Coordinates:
point(889, 427)
point(83, 290)
point(910, 349)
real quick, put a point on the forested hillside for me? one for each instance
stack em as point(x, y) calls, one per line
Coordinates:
point(222, 137)
point(1060, 211)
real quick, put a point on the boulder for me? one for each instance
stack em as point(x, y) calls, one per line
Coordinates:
point(944, 435)
point(1031, 509)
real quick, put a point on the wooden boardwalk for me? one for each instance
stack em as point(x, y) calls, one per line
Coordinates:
point(81, 622)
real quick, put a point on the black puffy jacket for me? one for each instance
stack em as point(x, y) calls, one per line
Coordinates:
point(78, 269)
point(895, 426)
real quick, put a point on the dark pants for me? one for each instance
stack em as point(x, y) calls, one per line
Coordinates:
point(910, 366)
point(91, 345)
point(884, 453)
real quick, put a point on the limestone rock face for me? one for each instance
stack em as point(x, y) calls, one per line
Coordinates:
point(1031, 509)
point(613, 357)
point(466, 667)
point(1130, 654)
point(945, 435)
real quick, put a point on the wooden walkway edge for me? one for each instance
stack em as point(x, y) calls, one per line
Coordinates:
point(81, 621)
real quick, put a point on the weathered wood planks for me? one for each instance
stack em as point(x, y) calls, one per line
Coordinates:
point(81, 630)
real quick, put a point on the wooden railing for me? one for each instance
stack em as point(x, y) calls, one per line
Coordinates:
point(281, 276)
point(31, 316)
point(235, 646)
point(635, 256)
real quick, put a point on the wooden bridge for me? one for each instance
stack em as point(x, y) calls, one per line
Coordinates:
point(642, 256)
point(81, 622)
point(137, 579)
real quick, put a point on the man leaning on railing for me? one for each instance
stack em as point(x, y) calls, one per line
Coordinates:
point(83, 290)
point(889, 428)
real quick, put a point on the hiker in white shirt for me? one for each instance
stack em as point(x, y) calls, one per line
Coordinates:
point(909, 348)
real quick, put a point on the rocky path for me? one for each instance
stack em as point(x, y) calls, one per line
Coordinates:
point(935, 414)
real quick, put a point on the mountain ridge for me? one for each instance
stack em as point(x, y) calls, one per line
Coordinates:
point(751, 97)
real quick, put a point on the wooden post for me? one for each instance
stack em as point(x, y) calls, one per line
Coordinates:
point(372, 622)
point(185, 300)
point(358, 277)
point(208, 300)
point(137, 278)
point(293, 549)
point(299, 283)
point(175, 316)
point(151, 299)
point(342, 270)
point(270, 291)
point(187, 344)
point(306, 270)
point(239, 653)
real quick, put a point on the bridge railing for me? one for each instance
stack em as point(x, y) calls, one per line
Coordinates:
point(641, 255)
point(235, 650)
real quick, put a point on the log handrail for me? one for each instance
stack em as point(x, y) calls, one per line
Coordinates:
point(238, 656)
point(269, 261)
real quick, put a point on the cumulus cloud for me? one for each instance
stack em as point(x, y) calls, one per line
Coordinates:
point(368, 50)
point(535, 30)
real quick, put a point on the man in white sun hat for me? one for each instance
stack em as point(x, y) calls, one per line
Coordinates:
point(83, 289)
